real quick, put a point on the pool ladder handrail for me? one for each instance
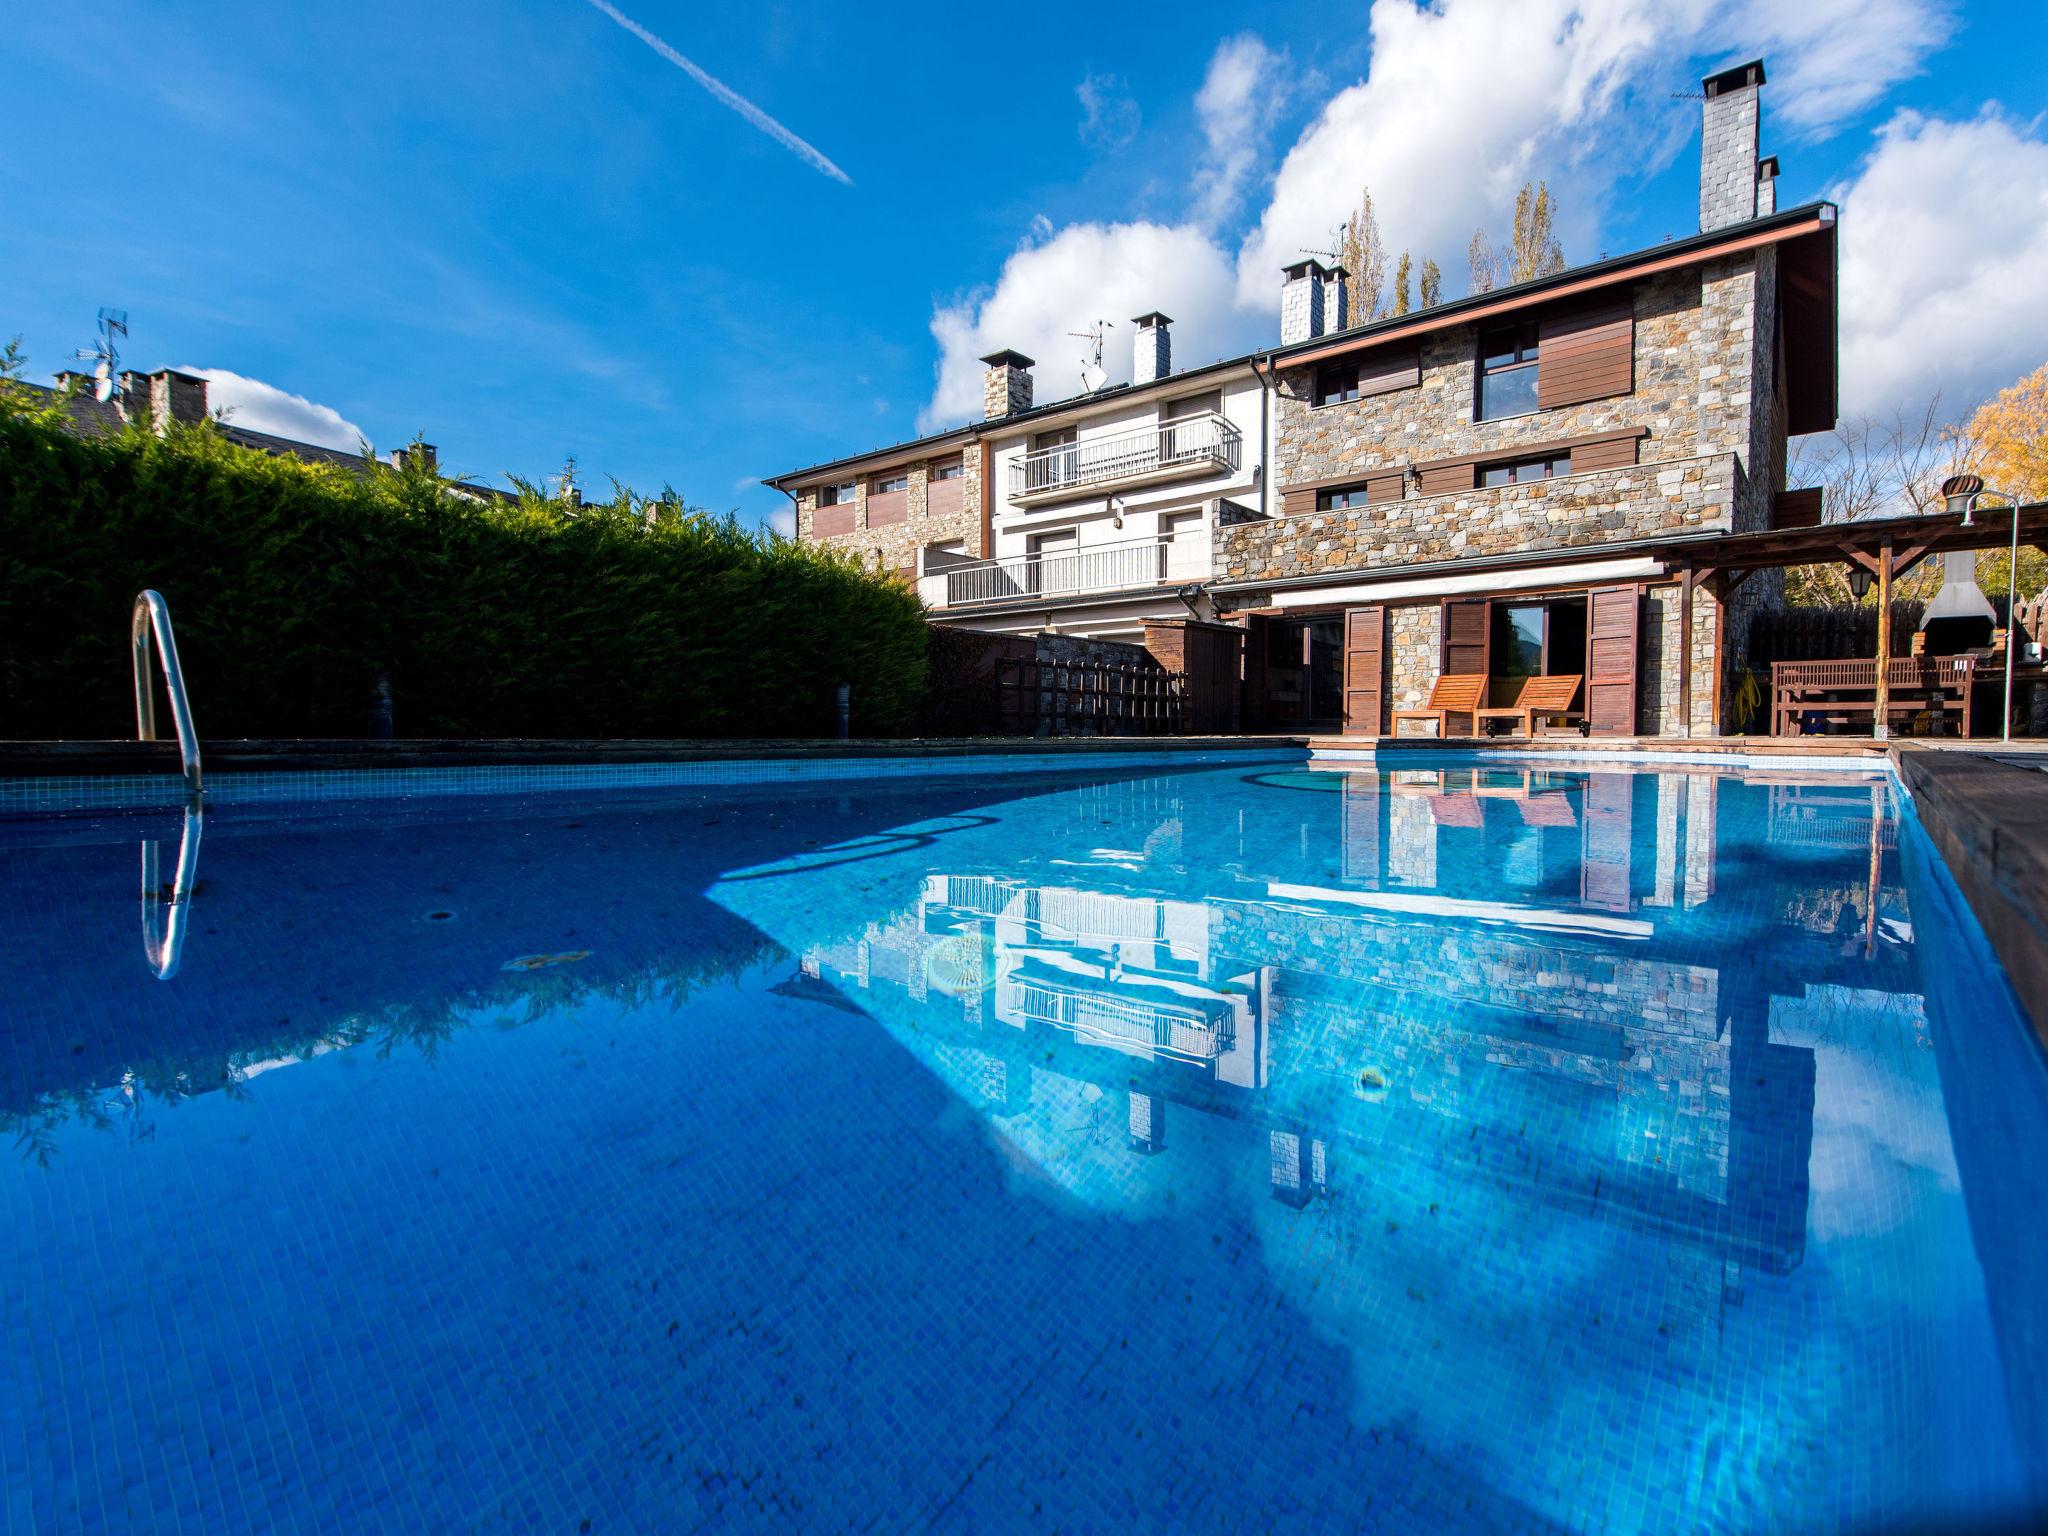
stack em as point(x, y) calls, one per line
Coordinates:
point(153, 616)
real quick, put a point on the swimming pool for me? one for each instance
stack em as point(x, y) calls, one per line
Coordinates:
point(1252, 1147)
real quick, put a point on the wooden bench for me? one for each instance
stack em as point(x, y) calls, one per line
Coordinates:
point(1455, 693)
point(1845, 692)
point(1541, 698)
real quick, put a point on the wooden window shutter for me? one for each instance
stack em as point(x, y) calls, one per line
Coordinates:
point(1365, 646)
point(1589, 354)
point(1389, 369)
point(1445, 477)
point(1468, 632)
point(1297, 500)
point(1607, 840)
point(1611, 660)
point(1607, 453)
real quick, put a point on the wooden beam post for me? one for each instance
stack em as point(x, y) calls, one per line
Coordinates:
point(1881, 720)
point(1685, 585)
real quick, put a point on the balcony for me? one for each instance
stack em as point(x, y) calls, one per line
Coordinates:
point(1156, 562)
point(1188, 445)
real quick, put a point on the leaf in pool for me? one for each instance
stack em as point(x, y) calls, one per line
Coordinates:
point(538, 962)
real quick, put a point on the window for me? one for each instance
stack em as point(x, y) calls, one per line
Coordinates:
point(1339, 498)
point(884, 484)
point(1054, 461)
point(952, 471)
point(841, 495)
point(1515, 472)
point(1507, 371)
point(1336, 382)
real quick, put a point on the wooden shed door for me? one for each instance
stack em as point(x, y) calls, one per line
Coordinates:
point(1468, 627)
point(1611, 660)
point(1365, 646)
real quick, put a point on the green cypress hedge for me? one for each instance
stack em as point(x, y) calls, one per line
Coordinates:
point(294, 586)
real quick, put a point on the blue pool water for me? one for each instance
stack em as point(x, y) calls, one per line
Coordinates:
point(1253, 1148)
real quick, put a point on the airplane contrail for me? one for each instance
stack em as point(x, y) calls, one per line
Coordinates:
point(725, 93)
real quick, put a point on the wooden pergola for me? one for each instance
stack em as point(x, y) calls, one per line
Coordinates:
point(1888, 548)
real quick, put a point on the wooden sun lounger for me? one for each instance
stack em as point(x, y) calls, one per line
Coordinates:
point(1547, 699)
point(1455, 693)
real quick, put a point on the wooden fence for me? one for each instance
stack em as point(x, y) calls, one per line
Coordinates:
point(1089, 698)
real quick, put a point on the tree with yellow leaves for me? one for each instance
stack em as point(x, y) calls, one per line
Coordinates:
point(2006, 442)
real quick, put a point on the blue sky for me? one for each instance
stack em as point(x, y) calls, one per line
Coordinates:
point(520, 229)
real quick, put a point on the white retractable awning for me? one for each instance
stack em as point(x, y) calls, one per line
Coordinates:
point(1527, 578)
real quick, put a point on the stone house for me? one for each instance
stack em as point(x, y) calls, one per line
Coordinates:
point(1528, 480)
point(1088, 516)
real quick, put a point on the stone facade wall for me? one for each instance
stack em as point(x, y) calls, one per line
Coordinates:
point(1577, 513)
point(897, 546)
point(1434, 419)
point(1414, 654)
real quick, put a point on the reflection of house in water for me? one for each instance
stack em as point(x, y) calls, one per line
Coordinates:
point(1535, 963)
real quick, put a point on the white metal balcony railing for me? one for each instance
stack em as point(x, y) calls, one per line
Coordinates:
point(1186, 443)
point(1104, 568)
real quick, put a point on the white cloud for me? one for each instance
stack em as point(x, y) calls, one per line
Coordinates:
point(783, 521)
point(1944, 242)
point(1085, 273)
point(1462, 102)
point(1829, 59)
point(264, 407)
point(1109, 116)
point(1243, 92)
point(1467, 99)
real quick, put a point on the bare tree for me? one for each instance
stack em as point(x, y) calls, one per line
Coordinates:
point(1364, 257)
point(1489, 266)
point(1875, 467)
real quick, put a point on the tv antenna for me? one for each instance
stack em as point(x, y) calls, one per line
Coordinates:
point(565, 483)
point(1092, 375)
point(104, 356)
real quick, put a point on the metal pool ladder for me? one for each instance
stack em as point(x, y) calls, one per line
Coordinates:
point(153, 614)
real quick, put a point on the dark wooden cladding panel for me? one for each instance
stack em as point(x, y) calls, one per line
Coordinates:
point(1382, 372)
point(1797, 509)
point(942, 498)
point(1467, 629)
point(1588, 354)
point(1613, 453)
point(1611, 660)
point(1365, 644)
point(828, 522)
point(1384, 487)
point(1444, 478)
point(1294, 503)
point(887, 507)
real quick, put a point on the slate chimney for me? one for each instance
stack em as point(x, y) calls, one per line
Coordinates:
point(162, 398)
point(1337, 300)
point(1301, 301)
point(1728, 146)
point(1767, 185)
point(1153, 358)
point(1006, 386)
